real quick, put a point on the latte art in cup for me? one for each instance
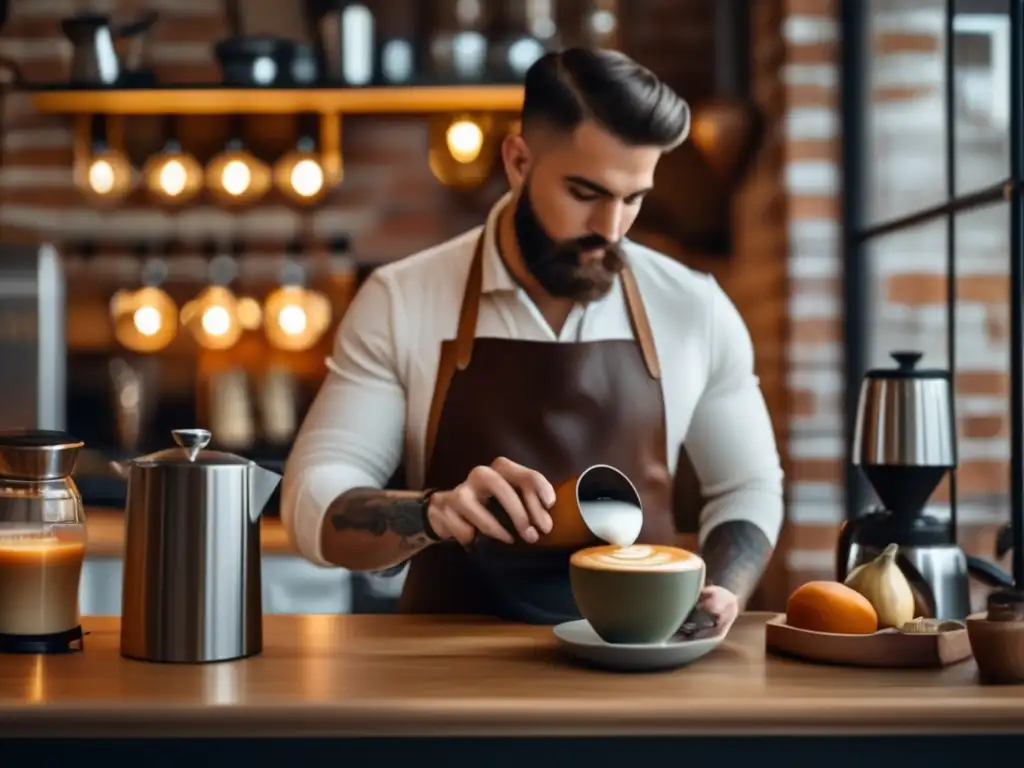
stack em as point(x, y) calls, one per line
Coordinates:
point(638, 557)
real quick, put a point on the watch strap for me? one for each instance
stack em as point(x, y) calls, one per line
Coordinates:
point(424, 508)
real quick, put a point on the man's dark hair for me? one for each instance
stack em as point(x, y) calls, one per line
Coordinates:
point(569, 87)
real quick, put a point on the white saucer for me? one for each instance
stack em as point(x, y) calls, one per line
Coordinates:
point(579, 639)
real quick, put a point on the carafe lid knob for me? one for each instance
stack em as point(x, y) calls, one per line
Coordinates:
point(192, 440)
point(906, 360)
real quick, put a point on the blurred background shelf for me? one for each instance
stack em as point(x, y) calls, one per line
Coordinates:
point(220, 101)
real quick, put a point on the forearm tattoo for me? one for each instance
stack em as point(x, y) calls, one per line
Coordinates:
point(380, 513)
point(736, 554)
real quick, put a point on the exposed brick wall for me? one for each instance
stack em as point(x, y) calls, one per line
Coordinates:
point(813, 302)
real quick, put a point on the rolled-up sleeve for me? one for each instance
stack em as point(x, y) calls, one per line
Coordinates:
point(730, 440)
point(352, 435)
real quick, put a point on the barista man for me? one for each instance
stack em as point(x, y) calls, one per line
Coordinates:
point(516, 355)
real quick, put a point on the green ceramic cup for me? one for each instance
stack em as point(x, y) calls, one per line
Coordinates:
point(635, 595)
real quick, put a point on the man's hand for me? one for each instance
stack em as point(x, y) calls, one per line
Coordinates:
point(525, 495)
point(723, 606)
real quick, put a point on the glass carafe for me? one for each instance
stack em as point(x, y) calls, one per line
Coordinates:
point(42, 542)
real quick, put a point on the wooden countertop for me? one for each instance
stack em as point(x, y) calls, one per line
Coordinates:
point(403, 675)
point(105, 527)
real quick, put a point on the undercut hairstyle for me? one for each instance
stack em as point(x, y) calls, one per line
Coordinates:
point(566, 88)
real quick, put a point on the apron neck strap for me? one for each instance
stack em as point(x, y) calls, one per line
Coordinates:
point(470, 307)
point(471, 310)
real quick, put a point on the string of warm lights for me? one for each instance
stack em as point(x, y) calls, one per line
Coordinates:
point(461, 153)
point(293, 318)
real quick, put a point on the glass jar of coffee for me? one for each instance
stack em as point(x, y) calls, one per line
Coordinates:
point(42, 542)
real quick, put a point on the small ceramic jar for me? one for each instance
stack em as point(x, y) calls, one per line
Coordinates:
point(997, 638)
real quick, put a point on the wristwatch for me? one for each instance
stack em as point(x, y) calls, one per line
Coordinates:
point(424, 508)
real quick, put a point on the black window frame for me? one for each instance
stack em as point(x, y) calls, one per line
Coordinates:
point(857, 232)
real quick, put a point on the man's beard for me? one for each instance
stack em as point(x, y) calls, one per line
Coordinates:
point(556, 265)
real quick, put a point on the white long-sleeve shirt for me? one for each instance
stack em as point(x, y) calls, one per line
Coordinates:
point(373, 406)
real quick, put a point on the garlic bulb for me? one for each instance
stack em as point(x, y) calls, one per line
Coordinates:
point(883, 584)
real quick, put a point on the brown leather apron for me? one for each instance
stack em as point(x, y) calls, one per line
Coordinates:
point(558, 408)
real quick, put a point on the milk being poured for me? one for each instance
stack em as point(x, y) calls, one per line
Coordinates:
point(617, 522)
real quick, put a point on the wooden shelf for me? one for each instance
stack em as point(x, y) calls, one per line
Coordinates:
point(218, 101)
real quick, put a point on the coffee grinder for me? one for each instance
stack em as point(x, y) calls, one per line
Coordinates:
point(904, 441)
point(42, 543)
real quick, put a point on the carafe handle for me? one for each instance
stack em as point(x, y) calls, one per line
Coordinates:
point(1004, 541)
point(137, 27)
point(989, 574)
point(192, 440)
point(844, 545)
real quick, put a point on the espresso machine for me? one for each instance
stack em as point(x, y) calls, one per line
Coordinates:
point(904, 442)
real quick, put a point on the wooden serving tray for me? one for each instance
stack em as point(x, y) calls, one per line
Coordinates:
point(887, 648)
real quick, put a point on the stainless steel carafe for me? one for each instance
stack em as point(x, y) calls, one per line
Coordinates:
point(905, 418)
point(192, 587)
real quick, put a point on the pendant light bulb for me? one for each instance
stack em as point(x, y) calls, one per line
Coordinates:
point(147, 320)
point(216, 320)
point(465, 139)
point(101, 176)
point(236, 177)
point(292, 319)
point(307, 178)
point(173, 178)
point(106, 178)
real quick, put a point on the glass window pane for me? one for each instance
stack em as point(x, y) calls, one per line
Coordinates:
point(905, 112)
point(981, 56)
point(982, 379)
point(907, 289)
